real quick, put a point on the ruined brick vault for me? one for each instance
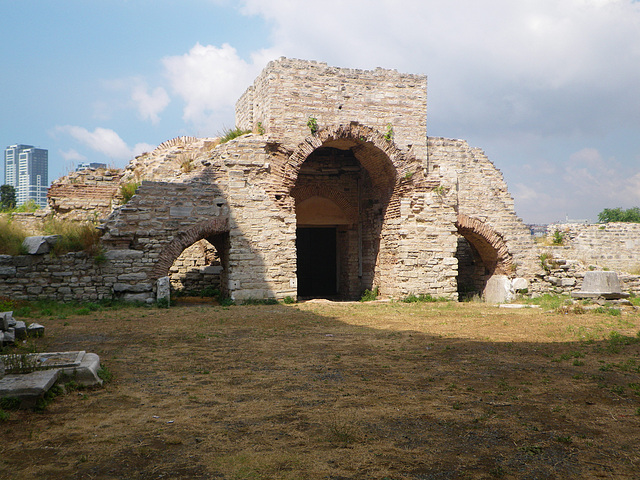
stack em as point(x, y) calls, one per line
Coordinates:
point(364, 201)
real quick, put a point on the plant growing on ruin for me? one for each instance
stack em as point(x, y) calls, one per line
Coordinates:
point(11, 238)
point(128, 190)
point(369, 295)
point(558, 238)
point(74, 236)
point(440, 191)
point(260, 128)
point(230, 134)
point(389, 135)
point(312, 124)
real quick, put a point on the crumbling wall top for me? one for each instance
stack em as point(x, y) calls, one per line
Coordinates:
point(289, 91)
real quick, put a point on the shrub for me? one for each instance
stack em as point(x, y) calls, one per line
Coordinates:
point(312, 124)
point(369, 295)
point(128, 190)
point(558, 238)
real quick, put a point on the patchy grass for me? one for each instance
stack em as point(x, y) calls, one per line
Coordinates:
point(74, 236)
point(11, 237)
point(339, 391)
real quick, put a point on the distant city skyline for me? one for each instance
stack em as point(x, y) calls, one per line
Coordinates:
point(26, 169)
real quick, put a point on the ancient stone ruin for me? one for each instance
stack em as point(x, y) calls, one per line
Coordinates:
point(336, 190)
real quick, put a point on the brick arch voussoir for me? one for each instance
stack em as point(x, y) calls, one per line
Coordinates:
point(476, 230)
point(184, 239)
point(352, 131)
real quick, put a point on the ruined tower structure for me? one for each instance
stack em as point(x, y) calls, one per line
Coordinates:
point(337, 190)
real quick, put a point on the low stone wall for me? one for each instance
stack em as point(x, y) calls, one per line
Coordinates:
point(615, 246)
point(563, 275)
point(74, 276)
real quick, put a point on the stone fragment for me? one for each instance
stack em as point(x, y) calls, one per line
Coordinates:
point(498, 290)
point(1, 368)
point(35, 330)
point(600, 284)
point(163, 288)
point(4, 320)
point(21, 330)
point(28, 387)
point(519, 284)
point(37, 245)
point(9, 336)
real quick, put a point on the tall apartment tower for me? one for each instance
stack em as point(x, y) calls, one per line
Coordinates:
point(26, 169)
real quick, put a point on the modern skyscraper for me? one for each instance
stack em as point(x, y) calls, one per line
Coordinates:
point(26, 169)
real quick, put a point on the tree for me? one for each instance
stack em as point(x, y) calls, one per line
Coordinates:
point(7, 197)
point(631, 215)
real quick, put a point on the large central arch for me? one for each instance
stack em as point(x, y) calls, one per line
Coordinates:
point(342, 181)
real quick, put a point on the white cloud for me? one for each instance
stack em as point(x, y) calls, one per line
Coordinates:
point(604, 182)
point(149, 104)
point(72, 156)
point(210, 80)
point(105, 141)
point(548, 65)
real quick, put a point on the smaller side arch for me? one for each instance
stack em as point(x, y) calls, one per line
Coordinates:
point(489, 244)
point(182, 240)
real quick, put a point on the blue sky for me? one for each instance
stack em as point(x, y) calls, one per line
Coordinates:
point(549, 89)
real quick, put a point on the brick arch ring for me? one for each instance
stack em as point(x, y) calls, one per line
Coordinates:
point(489, 244)
point(185, 239)
point(361, 134)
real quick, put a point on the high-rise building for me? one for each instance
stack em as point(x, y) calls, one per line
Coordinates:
point(26, 169)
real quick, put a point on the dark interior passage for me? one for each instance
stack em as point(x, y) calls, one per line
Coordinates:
point(317, 261)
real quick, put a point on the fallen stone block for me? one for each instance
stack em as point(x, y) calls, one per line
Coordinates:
point(163, 289)
point(38, 245)
point(21, 330)
point(600, 284)
point(28, 387)
point(4, 319)
point(520, 284)
point(498, 290)
point(35, 330)
point(9, 336)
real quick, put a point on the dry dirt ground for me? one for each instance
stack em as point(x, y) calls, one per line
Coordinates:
point(339, 391)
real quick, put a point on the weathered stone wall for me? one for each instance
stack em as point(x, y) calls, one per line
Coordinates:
point(87, 195)
point(74, 276)
point(289, 91)
point(480, 192)
point(615, 246)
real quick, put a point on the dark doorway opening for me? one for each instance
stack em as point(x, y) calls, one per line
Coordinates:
point(317, 261)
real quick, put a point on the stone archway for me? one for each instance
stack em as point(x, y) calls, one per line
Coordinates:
point(215, 232)
point(354, 173)
point(481, 253)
